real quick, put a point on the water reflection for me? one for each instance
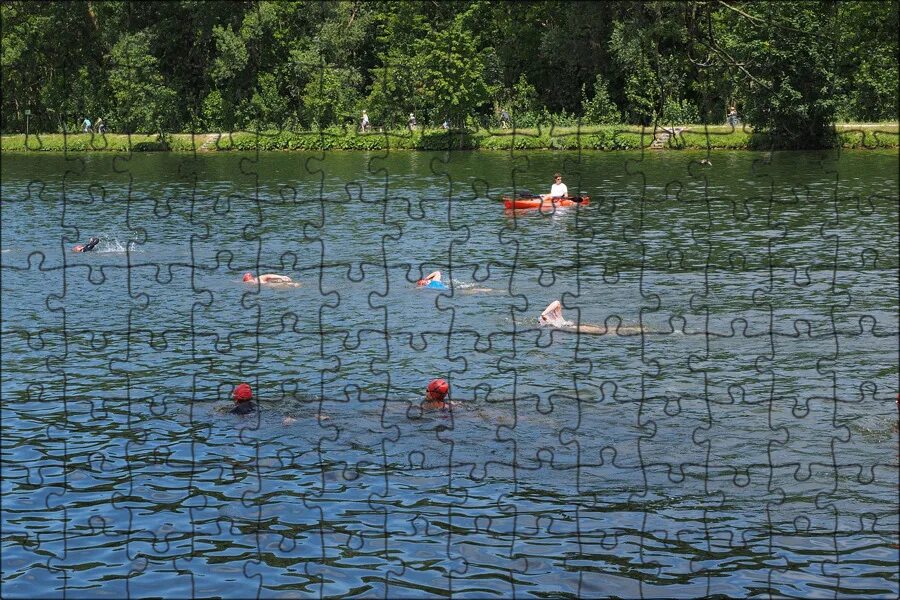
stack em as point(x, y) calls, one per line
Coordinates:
point(744, 443)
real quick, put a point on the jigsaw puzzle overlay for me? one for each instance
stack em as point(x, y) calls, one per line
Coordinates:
point(711, 408)
point(739, 405)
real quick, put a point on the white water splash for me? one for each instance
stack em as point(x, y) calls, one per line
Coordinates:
point(113, 245)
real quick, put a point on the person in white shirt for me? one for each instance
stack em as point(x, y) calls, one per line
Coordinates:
point(559, 189)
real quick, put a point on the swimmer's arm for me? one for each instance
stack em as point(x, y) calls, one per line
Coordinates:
point(273, 278)
point(545, 316)
point(591, 330)
point(621, 330)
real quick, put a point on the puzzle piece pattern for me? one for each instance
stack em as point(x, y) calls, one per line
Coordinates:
point(738, 411)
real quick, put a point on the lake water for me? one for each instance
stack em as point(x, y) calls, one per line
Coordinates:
point(737, 435)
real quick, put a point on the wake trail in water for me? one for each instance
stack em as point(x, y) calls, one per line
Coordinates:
point(114, 246)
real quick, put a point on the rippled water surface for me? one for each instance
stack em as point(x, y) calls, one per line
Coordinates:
point(734, 434)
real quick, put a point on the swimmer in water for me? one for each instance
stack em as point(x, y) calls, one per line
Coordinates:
point(435, 395)
point(92, 243)
point(553, 317)
point(243, 400)
point(270, 278)
point(432, 281)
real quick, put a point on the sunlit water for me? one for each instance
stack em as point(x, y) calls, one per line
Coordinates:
point(744, 444)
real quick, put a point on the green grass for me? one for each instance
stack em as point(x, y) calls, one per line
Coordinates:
point(603, 137)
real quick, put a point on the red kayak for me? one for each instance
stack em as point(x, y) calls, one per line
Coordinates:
point(542, 203)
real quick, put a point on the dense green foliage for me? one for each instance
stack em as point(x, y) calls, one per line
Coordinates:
point(791, 68)
point(600, 137)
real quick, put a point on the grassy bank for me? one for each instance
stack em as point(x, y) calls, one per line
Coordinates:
point(851, 135)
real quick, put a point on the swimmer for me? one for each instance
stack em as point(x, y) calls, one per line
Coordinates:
point(433, 281)
point(435, 393)
point(270, 278)
point(553, 317)
point(243, 400)
point(87, 247)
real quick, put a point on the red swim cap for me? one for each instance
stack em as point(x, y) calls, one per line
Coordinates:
point(421, 282)
point(438, 388)
point(242, 393)
point(248, 276)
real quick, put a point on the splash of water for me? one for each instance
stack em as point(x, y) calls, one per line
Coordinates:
point(113, 245)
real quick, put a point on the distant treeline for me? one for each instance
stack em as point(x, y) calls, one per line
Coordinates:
point(791, 69)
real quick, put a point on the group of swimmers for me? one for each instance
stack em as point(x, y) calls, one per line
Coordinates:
point(437, 390)
point(435, 399)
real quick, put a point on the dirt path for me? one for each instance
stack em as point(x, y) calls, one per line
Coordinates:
point(209, 143)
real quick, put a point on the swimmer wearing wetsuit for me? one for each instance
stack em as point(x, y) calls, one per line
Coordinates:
point(92, 243)
point(268, 278)
point(432, 281)
point(243, 400)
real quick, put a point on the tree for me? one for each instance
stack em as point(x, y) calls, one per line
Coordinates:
point(599, 108)
point(640, 88)
point(523, 100)
point(143, 101)
point(228, 74)
point(790, 67)
point(785, 56)
point(450, 71)
point(867, 61)
point(331, 98)
point(394, 76)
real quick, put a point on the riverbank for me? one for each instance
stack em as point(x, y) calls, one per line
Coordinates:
point(696, 137)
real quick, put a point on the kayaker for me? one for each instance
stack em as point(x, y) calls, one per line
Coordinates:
point(559, 189)
point(269, 278)
point(92, 243)
point(433, 281)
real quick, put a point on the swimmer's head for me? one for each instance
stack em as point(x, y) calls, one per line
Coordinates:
point(437, 389)
point(242, 393)
point(248, 277)
point(422, 282)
